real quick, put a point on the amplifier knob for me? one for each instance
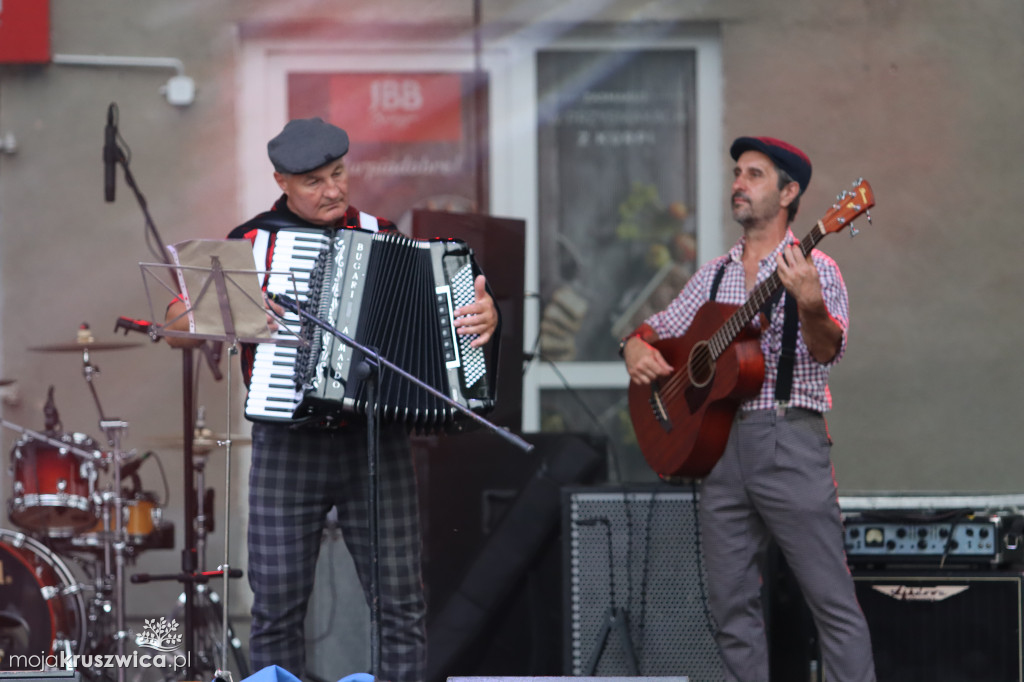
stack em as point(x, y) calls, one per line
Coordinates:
point(890, 545)
point(922, 544)
point(983, 532)
point(901, 532)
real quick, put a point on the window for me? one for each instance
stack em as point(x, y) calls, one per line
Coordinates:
point(605, 139)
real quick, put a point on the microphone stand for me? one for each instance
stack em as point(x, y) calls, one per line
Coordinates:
point(368, 370)
point(188, 558)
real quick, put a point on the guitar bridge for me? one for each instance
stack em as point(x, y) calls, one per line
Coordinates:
point(658, 408)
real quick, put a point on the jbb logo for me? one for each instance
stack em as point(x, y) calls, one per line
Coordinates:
point(391, 94)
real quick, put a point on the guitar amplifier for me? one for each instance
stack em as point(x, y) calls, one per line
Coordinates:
point(926, 625)
point(938, 626)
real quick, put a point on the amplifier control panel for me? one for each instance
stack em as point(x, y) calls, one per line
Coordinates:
point(990, 539)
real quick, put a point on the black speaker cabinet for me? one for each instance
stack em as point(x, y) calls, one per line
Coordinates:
point(635, 585)
point(943, 626)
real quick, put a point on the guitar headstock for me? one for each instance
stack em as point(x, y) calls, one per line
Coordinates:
point(849, 205)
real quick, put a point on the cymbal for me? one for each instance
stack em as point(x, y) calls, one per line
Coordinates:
point(76, 347)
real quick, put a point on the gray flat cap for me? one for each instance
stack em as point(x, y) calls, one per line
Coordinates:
point(305, 144)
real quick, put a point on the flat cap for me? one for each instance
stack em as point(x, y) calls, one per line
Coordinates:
point(786, 156)
point(305, 144)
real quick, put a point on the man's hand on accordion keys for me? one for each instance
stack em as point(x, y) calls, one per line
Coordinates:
point(275, 312)
point(479, 317)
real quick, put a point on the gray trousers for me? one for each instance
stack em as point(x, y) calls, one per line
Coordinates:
point(775, 481)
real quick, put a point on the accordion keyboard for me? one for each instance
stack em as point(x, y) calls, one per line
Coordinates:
point(296, 261)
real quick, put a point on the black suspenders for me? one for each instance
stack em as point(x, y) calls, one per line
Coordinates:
point(790, 320)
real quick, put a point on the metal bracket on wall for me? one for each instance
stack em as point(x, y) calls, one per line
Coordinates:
point(180, 90)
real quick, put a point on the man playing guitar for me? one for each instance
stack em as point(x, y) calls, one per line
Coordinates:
point(774, 479)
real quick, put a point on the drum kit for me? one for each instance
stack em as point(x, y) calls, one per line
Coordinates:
point(78, 503)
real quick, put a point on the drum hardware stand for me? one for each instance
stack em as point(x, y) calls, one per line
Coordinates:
point(251, 320)
point(113, 428)
point(372, 360)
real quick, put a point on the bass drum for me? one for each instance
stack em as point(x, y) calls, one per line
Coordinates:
point(42, 611)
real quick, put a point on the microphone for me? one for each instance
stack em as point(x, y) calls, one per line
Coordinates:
point(50, 413)
point(130, 468)
point(110, 152)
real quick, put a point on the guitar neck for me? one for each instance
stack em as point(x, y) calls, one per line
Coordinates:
point(726, 334)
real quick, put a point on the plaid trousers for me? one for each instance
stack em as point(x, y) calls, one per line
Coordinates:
point(297, 475)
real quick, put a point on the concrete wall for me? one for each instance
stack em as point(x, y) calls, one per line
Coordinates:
point(922, 98)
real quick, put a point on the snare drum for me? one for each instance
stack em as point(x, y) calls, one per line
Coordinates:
point(53, 487)
point(42, 611)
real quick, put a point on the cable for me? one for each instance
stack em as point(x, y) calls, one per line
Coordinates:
point(712, 626)
point(615, 455)
point(163, 475)
point(644, 575)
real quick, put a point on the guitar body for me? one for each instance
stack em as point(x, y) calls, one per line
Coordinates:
point(682, 421)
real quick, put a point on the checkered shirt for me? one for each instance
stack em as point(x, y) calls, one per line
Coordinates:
point(810, 378)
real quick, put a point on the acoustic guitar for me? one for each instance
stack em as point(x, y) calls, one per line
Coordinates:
point(682, 421)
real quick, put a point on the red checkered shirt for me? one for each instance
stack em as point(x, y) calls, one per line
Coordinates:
point(810, 378)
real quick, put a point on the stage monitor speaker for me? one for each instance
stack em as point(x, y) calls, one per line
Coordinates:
point(494, 564)
point(939, 626)
point(636, 591)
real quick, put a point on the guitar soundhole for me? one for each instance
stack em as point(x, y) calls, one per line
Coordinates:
point(701, 364)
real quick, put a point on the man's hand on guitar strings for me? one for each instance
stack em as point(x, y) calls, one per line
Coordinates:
point(644, 362)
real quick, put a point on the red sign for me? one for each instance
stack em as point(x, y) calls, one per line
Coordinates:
point(24, 31)
point(398, 107)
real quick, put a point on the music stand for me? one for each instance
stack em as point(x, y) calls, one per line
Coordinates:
point(234, 314)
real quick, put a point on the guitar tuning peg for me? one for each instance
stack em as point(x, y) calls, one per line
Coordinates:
point(853, 231)
point(868, 215)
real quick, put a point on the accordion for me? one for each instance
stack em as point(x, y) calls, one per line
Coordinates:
point(391, 294)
